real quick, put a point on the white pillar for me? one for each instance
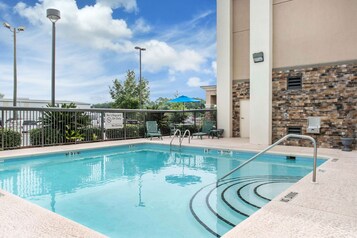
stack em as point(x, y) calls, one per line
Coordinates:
point(224, 66)
point(261, 19)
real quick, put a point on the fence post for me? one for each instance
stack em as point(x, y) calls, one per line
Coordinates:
point(194, 120)
point(3, 130)
point(124, 115)
point(102, 125)
point(75, 125)
point(42, 130)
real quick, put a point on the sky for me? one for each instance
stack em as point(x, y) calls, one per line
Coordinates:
point(95, 43)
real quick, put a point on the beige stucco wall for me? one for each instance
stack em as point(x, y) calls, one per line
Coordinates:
point(241, 34)
point(314, 32)
point(304, 32)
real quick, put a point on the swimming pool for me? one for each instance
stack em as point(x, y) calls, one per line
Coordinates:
point(146, 190)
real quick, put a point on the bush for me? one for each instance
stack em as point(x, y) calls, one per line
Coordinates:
point(132, 131)
point(11, 138)
point(51, 136)
point(91, 134)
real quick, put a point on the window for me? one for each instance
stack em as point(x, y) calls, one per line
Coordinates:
point(294, 130)
point(294, 82)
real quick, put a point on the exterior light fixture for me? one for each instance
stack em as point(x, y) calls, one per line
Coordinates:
point(54, 15)
point(14, 30)
point(140, 96)
point(258, 57)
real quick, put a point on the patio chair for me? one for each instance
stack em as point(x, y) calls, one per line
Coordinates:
point(152, 130)
point(172, 129)
point(206, 129)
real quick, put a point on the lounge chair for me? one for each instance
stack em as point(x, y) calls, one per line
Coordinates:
point(206, 128)
point(172, 129)
point(152, 130)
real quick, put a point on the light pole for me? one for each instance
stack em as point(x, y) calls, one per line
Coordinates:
point(54, 15)
point(14, 30)
point(140, 96)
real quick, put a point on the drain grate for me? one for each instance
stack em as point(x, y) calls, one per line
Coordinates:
point(334, 160)
point(289, 197)
point(72, 153)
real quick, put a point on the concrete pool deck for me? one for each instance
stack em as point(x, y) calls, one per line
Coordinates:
point(327, 208)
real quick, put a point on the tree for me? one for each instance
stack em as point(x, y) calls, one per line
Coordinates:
point(103, 105)
point(1, 95)
point(126, 94)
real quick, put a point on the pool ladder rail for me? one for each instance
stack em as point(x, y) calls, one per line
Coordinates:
point(181, 137)
point(272, 146)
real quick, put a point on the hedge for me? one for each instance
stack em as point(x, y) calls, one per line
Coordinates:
point(132, 131)
point(11, 138)
point(51, 136)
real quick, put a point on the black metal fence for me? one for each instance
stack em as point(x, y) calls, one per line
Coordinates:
point(34, 127)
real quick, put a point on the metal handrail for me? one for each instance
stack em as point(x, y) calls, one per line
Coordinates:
point(183, 137)
point(177, 131)
point(275, 144)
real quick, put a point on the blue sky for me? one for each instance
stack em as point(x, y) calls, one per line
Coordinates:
point(95, 45)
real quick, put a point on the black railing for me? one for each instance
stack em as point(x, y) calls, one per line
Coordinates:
point(32, 127)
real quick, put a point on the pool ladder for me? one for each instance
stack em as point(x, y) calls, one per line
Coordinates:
point(272, 146)
point(181, 137)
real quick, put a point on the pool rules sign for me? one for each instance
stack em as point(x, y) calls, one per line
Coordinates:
point(113, 120)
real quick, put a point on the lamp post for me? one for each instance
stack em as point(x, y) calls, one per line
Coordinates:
point(140, 96)
point(14, 30)
point(54, 15)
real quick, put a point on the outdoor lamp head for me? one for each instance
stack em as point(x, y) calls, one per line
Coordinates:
point(7, 25)
point(53, 14)
point(139, 48)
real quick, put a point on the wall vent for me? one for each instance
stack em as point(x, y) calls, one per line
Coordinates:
point(294, 130)
point(294, 82)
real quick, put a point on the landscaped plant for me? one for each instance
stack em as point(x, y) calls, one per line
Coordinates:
point(91, 133)
point(73, 135)
point(67, 124)
point(50, 136)
point(132, 131)
point(12, 138)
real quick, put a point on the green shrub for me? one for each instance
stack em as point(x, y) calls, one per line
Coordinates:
point(51, 136)
point(132, 131)
point(91, 134)
point(11, 138)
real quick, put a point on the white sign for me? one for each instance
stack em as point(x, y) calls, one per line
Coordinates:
point(113, 120)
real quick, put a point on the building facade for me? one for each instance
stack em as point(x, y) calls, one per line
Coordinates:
point(308, 50)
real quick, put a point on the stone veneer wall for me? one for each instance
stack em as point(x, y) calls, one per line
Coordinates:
point(329, 92)
point(240, 91)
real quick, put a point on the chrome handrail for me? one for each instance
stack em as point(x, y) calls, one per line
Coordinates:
point(275, 144)
point(183, 137)
point(177, 131)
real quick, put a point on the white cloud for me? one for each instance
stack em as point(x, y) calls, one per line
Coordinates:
point(128, 5)
point(141, 26)
point(160, 55)
point(196, 82)
point(214, 67)
point(91, 25)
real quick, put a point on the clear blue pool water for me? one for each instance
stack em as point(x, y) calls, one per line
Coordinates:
point(147, 190)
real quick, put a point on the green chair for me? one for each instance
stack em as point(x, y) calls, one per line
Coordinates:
point(172, 129)
point(206, 129)
point(152, 130)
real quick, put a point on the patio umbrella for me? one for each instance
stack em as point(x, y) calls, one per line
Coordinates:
point(183, 99)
